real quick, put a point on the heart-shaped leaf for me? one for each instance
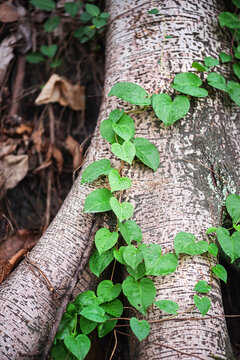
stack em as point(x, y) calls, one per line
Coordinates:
point(209, 61)
point(202, 287)
point(189, 83)
point(225, 57)
point(116, 115)
point(98, 201)
point(140, 293)
point(117, 183)
point(137, 273)
point(217, 81)
point(49, 51)
point(114, 308)
point(229, 19)
point(233, 207)
point(131, 93)
point(98, 263)
point(140, 328)
point(233, 89)
point(84, 299)
point(151, 255)
point(78, 346)
point(236, 69)
point(132, 256)
point(107, 326)
point(86, 325)
point(66, 326)
point(107, 291)
point(125, 127)
point(229, 244)
point(203, 304)
point(52, 23)
point(196, 248)
point(125, 152)
point(170, 111)
point(93, 313)
point(199, 67)
point(47, 5)
point(96, 169)
point(107, 132)
point(72, 8)
point(186, 243)
point(168, 306)
point(213, 249)
point(105, 240)
point(147, 153)
point(118, 254)
point(123, 211)
point(220, 271)
point(130, 231)
point(155, 263)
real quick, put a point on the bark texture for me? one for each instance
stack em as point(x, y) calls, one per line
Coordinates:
point(183, 195)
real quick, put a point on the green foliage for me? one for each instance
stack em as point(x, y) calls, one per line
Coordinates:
point(229, 244)
point(153, 11)
point(213, 249)
point(229, 20)
point(225, 57)
point(49, 51)
point(123, 211)
point(233, 207)
point(140, 328)
point(79, 346)
point(185, 243)
point(72, 8)
point(132, 256)
point(52, 23)
point(106, 291)
point(117, 183)
point(96, 169)
point(189, 84)
point(98, 201)
point(209, 61)
point(220, 272)
point(125, 152)
point(199, 67)
point(105, 240)
point(217, 81)
point(34, 58)
point(130, 231)
point(168, 306)
point(98, 263)
point(131, 93)
point(202, 287)
point(203, 304)
point(47, 5)
point(147, 153)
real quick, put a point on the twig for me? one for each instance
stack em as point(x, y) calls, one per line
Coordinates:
point(115, 345)
point(82, 263)
point(18, 85)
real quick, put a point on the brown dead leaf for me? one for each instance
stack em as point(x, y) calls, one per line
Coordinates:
point(23, 128)
point(60, 90)
point(37, 138)
point(15, 168)
point(75, 150)
point(7, 147)
point(58, 157)
point(8, 13)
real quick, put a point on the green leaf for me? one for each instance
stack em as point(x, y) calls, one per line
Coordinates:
point(189, 84)
point(104, 15)
point(234, 91)
point(213, 249)
point(106, 291)
point(71, 309)
point(60, 352)
point(84, 299)
point(155, 263)
point(217, 81)
point(96, 169)
point(123, 211)
point(132, 256)
point(151, 255)
point(34, 58)
point(202, 287)
point(220, 272)
point(87, 326)
point(115, 115)
point(85, 17)
point(118, 254)
point(98, 263)
point(225, 57)
point(47, 5)
point(203, 304)
point(72, 8)
point(92, 9)
point(78, 346)
point(147, 153)
point(66, 326)
point(98, 201)
point(153, 11)
point(236, 227)
point(237, 52)
point(186, 243)
point(230, 20)
point(229, 244)
point(106, 327)
point(211, 229)
point(130, 231)
point(93, 313)
point(140, 328)
point(197, 248)
point(236, 69)
point(125, 152)
point(99, 23)
point(52, 23)
point(49, 51)
point(209, 61)
point(114, 308)
point(117, 183)
point(236, 3)
point(168, 306)
point(140, 293)
point(131, 93)
point(199, 67)
point(170, 111)
point(233, 207)
point(137, 273)
point(105, 240)
point(125, 127)
point(107, 132)
point(56, 63)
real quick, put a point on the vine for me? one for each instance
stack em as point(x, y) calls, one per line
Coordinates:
point(103, 309)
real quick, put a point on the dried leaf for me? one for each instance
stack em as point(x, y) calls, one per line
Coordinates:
point(13, 169)
point(7, 147)
point(60, 90)
point(23, 128)
point(37, 139)
point(8, 13)
point(58, 157)
point(6, 54)
point(75, 150)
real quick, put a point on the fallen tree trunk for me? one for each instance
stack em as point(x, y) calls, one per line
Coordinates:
point(183, 195)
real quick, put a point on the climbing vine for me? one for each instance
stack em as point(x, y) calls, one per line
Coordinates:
point(103, 309)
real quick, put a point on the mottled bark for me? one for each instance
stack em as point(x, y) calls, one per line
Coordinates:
point(183, 195)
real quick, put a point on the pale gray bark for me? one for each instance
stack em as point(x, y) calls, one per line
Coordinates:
point(181, 196)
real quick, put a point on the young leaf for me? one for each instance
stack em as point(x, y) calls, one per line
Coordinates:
point(96, 169)
point(230, 20)
point(196, 248)
point(56, 63)
point(139, 293)
point(161, 265)
point(60, 352)
point(220, 271)
point(211, 230)
point(186, 243)
point(52, 23)
point(72, 8)
point(140, 328)
point(132, 256)
point(87, 326)
point(47, 5)
point(118, 254)
point(189, 84)
point(99, 23)
point(107, 132)
point(203, 304)
point(98, 201)
point(34, 58)
point(92, 9)
point(130, 231)
point(229, 244)
point(170, 111)
point(107, 326)
point(225, 57)
point(84, 299)
point(78, 346)
point(168, 306)
point(131, 93)
point(66, 326)
point(202, 287)
point(233, 89)
point(123, 211)
point(137, 273)
point(125, 152)
point(213, 249)
point(117, 183)
point(199, 67)
point(105, 240)
point(125, 127)
point(217, 81)
point(153, 11)
point(93, 313)
point(106, 291)
point(49, 51)
point(151, 255)
point(114, 308)
point(116, 115)
point(98, 263)
point(236, 69)
point(147, 153)
point(233, 207)
point(237, 52)
point(209, 61)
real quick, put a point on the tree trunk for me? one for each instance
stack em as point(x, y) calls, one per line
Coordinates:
point(183, 195)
